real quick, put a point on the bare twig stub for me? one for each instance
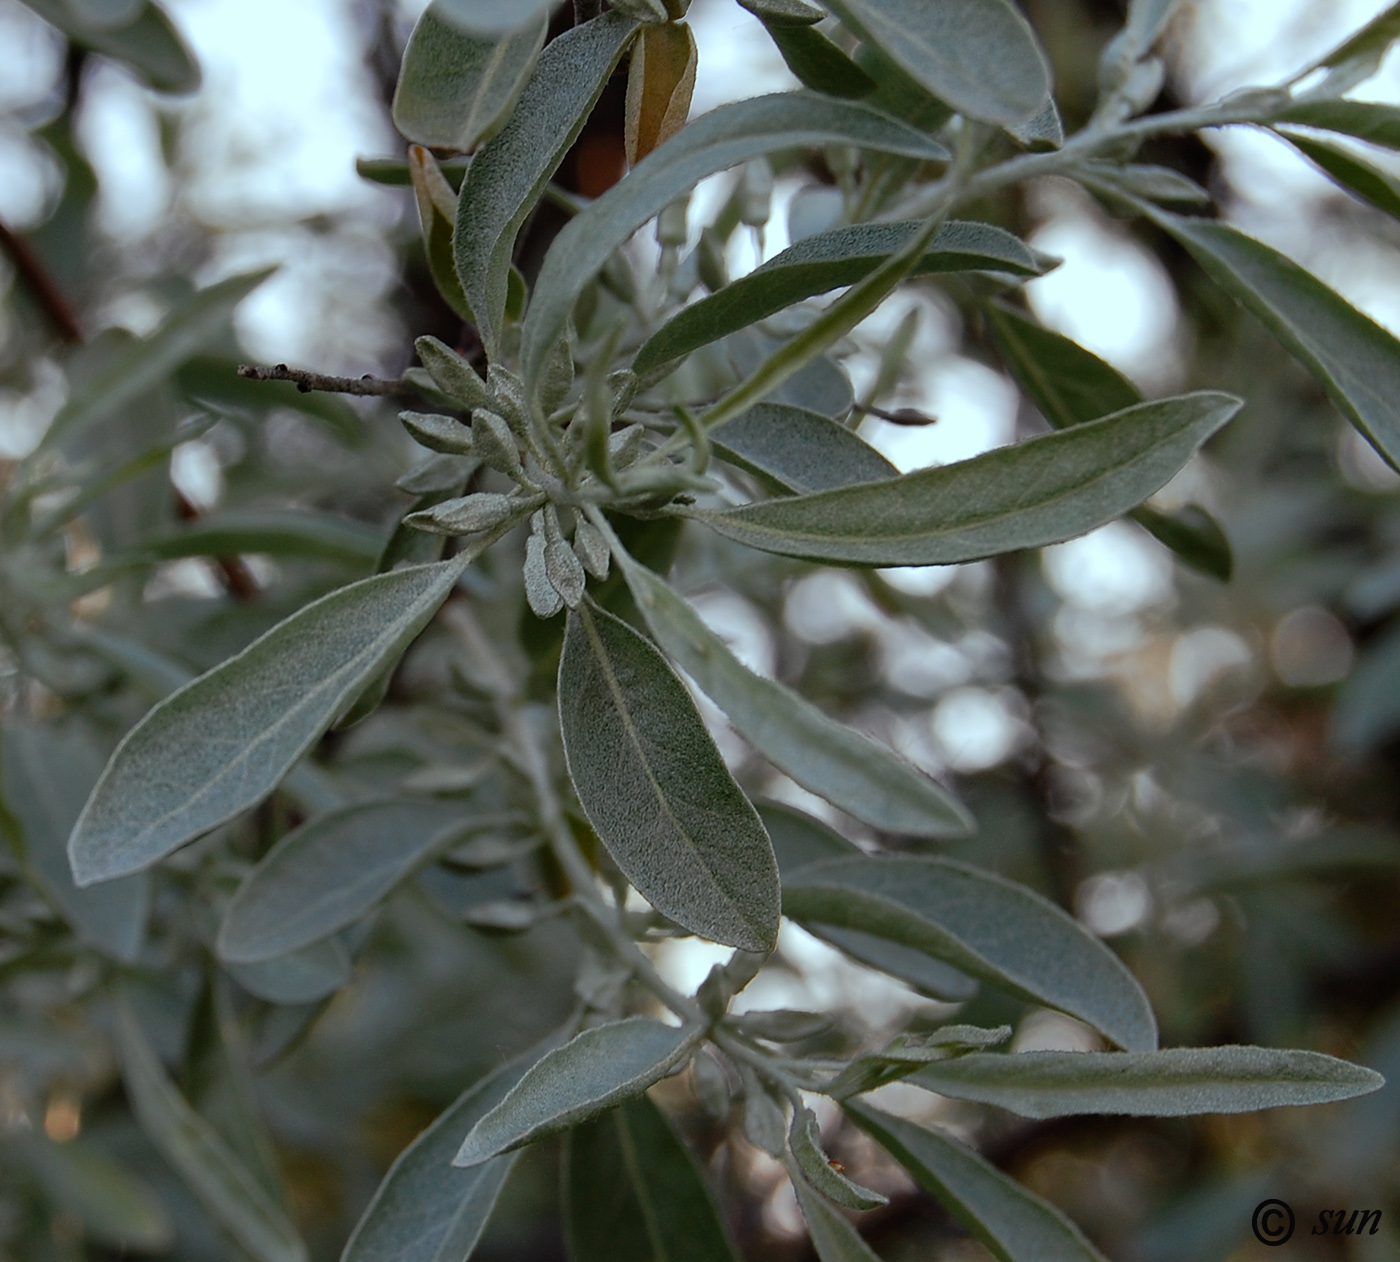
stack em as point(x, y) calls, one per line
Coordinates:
point(308, 381)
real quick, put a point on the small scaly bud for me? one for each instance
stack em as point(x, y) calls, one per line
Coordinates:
point(540, 594)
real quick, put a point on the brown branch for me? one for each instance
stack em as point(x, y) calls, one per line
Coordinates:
point(237, 579)
point(308, 381)
point(41, 286)
point(899, 416)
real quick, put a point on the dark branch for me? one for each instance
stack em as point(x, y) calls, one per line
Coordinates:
point(41, 285)
point(899, 416)
point(308, 381)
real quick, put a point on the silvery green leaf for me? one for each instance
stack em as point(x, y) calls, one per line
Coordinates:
point(986, 926)
point(868, 780)
point(1070, 386)
point(1045, 131)
point(326, 874)
point(1359, 56)
point(543, 599)
point(833, 1237)
point(1159, 184)
point(980, 56)
point(642, 10)
point(655, 789)
point(711, 1085)
point(821, 386)
point(299, 977)
point(222, 743)
point(564, 570)
point(1172, 1082)
point(265, 531)
point(1015, 1224)
point(825, 261)
point(797, 12)
point(804, 1142)
point(471, 514)
point(456, 378)
point(46, 773)
point(436, 475)
point(1356, 361)
point(907, 1053)
point(720, 139)
point(233, 1197)
point(799, 450)
point(493, 17)
point(144, 364)
point(765, 1124)
point(817, 62)
point(457, 88)
point(592, 548)
point(1348, 168)
point(634, 1193)
point(1041, 491)
point(783, 1025)
point(494, 444)
point(438, 433)
point(799, 840)
point(141, 37)
point(508, 174)
point(593, 1072)
point(427, 1209)
point(1366, 120)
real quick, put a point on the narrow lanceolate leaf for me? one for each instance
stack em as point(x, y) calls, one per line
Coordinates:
point(720, 139)
point(817, 62)
point(271, 532)
point(222, 743)
point(145, 364)
point(984, 925)
point(493, 17)
point(634, 1193)
point(45, 772)
point(326, 874)
point(437, 217)
point(1071, 386)
point(1366, 120)
point(850, 770)
point(148, 44)
point(980, 56)
point(798, 840)
point(1351, 171)
point(599, 1068)
point(804, 1142)
point(233, 1197)
point(833, 1237)
point(659, 87)
point(456, 89)
point(655, 789)
point(826, 261)
point(508, 175)
point(800, 451)
point(1356, 361)
point(300, 977)
point(1014, 1224)
point(427, 1209)
point(1042, 491)
point(1172, 1082)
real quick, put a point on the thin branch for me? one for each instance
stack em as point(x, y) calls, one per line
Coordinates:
point(309, 381)
point(898, 416)
point(41, 285)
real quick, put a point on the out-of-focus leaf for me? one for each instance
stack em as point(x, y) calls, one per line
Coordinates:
point(230, 1194)
point(659, 87)
point(1070, 386)
point(1367, 709)
point(1042, 491)
point(833, 1237)
point(273, 532)
point(980, 56)
point(1359, 56)
point(493, 17)
point(1172, 1082)
point(115, 1207)
point(148, 45)
point(326, 874)
point(599, 1068)
point(223, 742)
point(857, 774)
point(1158, 184)
point(804, 1142)
point(655, 789)
point(798, 840)
point(146, 363)
point(1356, 361)
point(456, 89)
point(1014, 1224)
point(984, 925)
point(508, 175)
point(817, 62)
point(47, 772)
point(437, 217)
point(1351, 171)
point(720, 139)
point(792, 12)
point(1046, 130)
point(821, 387)
point(298, 977)
point(427, 1209)
point(783, 1025)
point(826, 261)
point(1366, 120)
point(634, 1193)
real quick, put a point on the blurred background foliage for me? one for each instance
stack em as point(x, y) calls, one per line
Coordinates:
point(1204, 772)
